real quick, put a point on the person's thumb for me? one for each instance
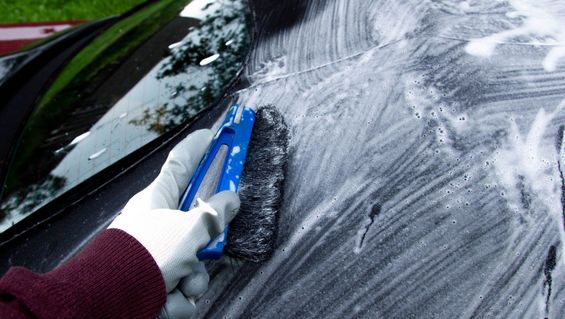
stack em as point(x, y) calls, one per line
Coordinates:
point(225, 203)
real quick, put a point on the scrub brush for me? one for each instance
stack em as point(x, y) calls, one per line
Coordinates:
point(252, 148)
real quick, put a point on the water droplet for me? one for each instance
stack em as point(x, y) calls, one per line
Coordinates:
point(97, 154)
point(209, 59)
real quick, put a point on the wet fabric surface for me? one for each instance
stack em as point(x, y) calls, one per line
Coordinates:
point(425, 175)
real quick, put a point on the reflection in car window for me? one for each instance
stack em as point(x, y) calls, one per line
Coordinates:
point(141, 78)
point(10, 64)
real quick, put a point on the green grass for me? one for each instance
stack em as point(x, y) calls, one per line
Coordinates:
point(14, 11)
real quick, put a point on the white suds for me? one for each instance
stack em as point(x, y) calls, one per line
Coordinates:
point(526, 165)
point(97, 154)
point(464, 5)
point(541, 19)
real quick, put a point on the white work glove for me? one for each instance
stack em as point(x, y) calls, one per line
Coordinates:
point(173, 237)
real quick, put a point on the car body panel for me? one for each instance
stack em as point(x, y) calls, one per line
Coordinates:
point(424, 179)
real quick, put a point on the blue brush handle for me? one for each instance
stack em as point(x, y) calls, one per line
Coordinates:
point(236, 137)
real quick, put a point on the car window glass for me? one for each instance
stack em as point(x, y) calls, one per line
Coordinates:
point(144, 76)
point(9, 64)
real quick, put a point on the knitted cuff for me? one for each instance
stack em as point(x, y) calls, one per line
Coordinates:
point(115, 276)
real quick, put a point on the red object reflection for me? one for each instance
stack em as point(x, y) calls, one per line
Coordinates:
point(13, 37)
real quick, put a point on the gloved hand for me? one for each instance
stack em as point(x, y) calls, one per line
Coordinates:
point(173, 237)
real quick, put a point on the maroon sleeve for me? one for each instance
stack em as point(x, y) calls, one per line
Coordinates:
point(114, 277)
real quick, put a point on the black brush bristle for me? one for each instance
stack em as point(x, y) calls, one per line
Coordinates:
point(253, 231)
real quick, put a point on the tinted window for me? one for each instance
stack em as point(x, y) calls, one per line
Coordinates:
point(149, 73)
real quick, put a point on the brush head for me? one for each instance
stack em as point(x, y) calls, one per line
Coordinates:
point(253, 231)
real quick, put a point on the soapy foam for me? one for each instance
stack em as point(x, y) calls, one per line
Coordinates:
point(541, 19)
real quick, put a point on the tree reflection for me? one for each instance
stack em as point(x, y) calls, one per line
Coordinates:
point(29, 198)
point(223, 32)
